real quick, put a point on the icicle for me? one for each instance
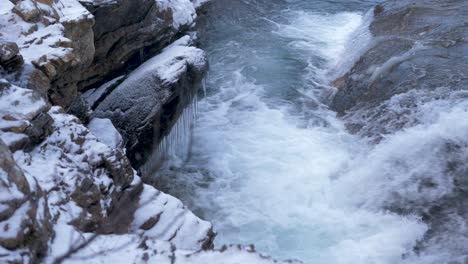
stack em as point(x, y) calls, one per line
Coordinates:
point(176, 146)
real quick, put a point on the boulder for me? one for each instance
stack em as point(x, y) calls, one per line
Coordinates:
point(418, 49)
point(146, 105)
point(10, 59)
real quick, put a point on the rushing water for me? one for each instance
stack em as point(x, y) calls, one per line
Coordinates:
point(270, 164)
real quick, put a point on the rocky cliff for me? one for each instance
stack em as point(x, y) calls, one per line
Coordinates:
point(68, 192)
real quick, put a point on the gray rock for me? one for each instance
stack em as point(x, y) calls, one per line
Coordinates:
point(8, 50)
point(417, 46)
point(125, 30)
point(147, 104)
point(12, 179)
point(10, 59)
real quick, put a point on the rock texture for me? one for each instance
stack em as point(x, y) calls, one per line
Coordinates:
point(72, 183)
point(54, 38)
point(126, 31)
point(146, 105)
point(68, 192)
point(415, 53)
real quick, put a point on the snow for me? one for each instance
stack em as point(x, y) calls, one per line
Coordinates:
point(11, 138)
point(105, 132)
point(38, 39)
point(198, 3)
point(117, 248)
point(12, 227)
point(72, 10)
point(8, 190)
point(19, 103)
point(18, 106)
point(183, 11)
point(174, 221)
point(6, 7)
point(171, 63)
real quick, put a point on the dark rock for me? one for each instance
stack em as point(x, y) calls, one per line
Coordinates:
point(417, 46)
point(10, 59)
point(80, 109)
point(125, 30)
point(147, 104)
point(67, 71)
point(40, 127)
point(8, 50)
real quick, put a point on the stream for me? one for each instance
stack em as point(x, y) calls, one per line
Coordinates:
point(270, 164)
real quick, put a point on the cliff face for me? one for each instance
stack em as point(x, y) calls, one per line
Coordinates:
point(67, 188)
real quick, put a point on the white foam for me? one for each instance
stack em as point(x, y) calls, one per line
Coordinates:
point(305, 189)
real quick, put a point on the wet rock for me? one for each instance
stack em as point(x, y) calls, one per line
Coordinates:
point(415, 65)
point(416, 46)
point(146, 105)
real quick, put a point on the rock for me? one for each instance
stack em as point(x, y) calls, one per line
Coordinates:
point(23, 116)
point(415, 50)
point(413, 73)
point(95, 96)
point(56, 41)
point(70, 68)
point(8, 50)
point(106, 132)
point(80, 108)
point(28, 10)
point(21, 218)
point(12, 183)
point(10, 59)
point(146, 105)
point(129, 31)
point(160, 216)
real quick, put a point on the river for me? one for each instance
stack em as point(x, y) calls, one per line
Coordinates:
point(269, 163)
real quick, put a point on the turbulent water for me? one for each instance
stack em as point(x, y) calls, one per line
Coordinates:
point(270, 164)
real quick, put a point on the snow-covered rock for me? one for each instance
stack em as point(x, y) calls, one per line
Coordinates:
point(131, 31)
point(67, 191)
point(146, 105)
point(75, 182)
point(55, 39)
point(103, 129)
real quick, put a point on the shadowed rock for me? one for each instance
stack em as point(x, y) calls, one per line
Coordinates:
point(146, 105)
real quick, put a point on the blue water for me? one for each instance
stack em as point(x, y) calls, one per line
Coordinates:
point(269, 163)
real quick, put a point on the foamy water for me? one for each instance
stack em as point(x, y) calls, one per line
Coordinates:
point(271, 165)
